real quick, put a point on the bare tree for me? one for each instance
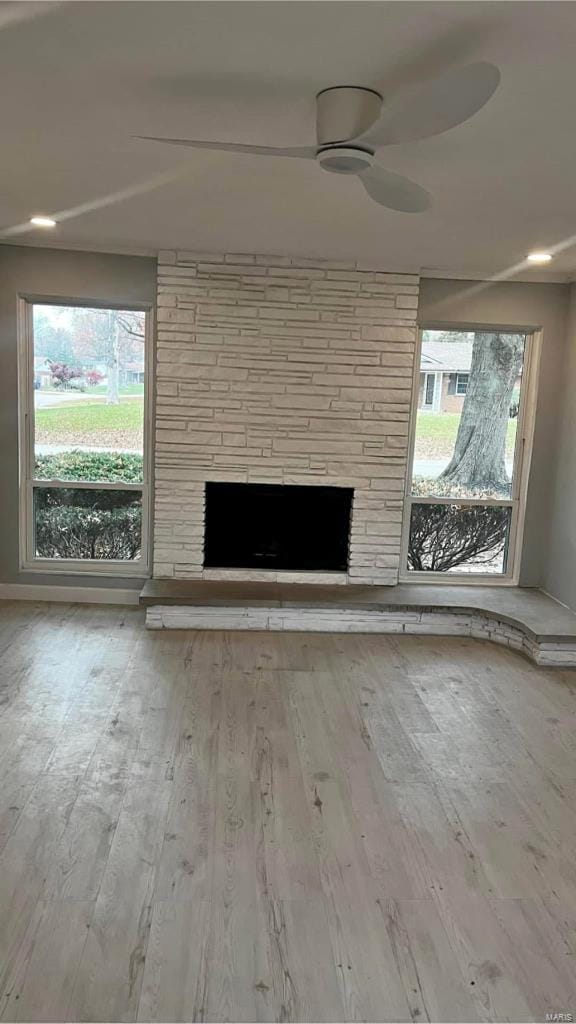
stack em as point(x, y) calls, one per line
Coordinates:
point(132, 324)
point(478, 462)
point(113, 359)
point(109, 335)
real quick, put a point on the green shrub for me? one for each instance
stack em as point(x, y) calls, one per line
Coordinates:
point(72, 523)
point(82, 522)
point(82, 465)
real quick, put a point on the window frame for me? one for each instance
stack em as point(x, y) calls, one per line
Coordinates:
point(28, 560)
point(462, 394)
point(520, 471)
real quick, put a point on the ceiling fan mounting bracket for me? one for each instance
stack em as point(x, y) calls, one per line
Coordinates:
point(345, 112)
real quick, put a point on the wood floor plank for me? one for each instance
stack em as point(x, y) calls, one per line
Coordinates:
point(518, 859)
point(549, 976)
point(486, 955)
point(364, 956)
point(107, 985)
point(280, 967)
point(550, 802)
point(185, 862)
point(229, 993)
point(302, 982)
point(436, 988)
point(385, 840)
point(286, 862)
point(47, 962)
point(25, 861)
point(17, 786)
point(81, 855)
point(360, 942)
point(446, 853)
point(173, 986)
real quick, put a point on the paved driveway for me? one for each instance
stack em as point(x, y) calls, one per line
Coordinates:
point(431, 468)
point(52, 399)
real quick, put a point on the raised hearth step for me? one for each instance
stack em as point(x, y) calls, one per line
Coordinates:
point(522, 618)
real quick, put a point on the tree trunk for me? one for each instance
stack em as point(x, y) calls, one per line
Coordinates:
point(113, 360)
point(478, 463)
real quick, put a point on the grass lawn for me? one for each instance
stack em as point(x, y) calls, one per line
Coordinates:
point(436, 434)
point(91, 424)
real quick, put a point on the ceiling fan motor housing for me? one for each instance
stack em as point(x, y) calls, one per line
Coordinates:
point(345, 112)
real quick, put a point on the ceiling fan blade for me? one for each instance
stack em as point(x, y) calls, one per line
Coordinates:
point(303, 152)
point(395, 191)
point(434, 108)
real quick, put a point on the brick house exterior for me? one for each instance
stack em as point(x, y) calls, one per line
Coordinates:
point(444, 374)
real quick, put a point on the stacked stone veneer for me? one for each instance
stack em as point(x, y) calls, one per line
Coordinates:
point(409, 620)
point(273, 370)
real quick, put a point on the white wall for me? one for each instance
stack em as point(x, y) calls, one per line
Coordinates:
point(549, 550)
point(559, 577)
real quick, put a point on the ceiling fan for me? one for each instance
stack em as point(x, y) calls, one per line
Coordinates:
point(352, 122)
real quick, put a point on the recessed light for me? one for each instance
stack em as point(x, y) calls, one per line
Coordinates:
point(42, 222)
point(539, 257)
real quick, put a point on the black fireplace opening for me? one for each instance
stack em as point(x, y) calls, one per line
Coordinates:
point(277, 526)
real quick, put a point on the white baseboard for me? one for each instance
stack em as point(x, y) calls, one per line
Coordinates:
point(75, 595)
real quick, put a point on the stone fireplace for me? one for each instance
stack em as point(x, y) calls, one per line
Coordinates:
point(277, 371)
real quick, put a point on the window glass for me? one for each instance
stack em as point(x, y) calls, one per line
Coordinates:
point(85, 523)
point(88, 381)
point(83, 439)
point(462, 500)
point(468, 412)
point(458, 538)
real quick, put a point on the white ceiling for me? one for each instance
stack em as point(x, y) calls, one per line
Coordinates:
point(79, 80)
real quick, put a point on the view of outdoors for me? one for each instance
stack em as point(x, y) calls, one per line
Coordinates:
point(88, 382)
point(468, 403)
point(88, 385)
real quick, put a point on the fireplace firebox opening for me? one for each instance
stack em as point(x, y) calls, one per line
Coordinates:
point(277, 526)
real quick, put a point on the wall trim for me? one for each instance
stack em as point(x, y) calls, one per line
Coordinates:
point(556, 599)
point(524, 275)
point(75, 595)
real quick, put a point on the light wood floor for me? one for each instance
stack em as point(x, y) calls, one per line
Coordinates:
point(280, 827)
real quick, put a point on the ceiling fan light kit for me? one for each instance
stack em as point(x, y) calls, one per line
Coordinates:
point(352, 122)
point(345, 159)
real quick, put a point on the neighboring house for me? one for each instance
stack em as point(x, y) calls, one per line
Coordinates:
point(132, 373)
point(444, 375)
point(42, 374)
